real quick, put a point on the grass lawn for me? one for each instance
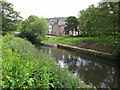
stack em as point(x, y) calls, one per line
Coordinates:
point(74, 40)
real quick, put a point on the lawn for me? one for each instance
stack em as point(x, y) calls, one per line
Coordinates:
point(74, 40)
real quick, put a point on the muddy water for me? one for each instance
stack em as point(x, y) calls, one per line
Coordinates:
point(90, 69)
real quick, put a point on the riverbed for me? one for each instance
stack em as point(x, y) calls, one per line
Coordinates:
point(93, 70)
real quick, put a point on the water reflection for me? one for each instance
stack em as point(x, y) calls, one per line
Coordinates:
point(90, 69)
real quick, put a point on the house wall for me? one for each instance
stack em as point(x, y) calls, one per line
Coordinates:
point(55, 29)
point(61, 31)
point(50, 30)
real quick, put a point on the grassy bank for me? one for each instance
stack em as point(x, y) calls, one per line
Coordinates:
point(102, 44)
point(74, 40)
point(23, 66)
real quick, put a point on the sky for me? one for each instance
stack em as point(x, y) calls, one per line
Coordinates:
point(51, 8)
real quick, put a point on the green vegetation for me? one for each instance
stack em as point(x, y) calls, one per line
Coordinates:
point(34, 28)
point(23, 66)
point(71, 24)
point(10, 18)
point(75, 40)
point(101, 20)
point(90, 44)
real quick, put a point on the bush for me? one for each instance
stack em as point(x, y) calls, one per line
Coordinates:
point(23, 66)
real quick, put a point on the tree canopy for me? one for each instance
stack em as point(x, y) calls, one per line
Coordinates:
point(34, 28)
point(71, 23)
point(10, 17)
point(101, 20)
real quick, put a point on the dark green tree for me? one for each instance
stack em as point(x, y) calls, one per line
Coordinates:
point(10, 18)
point(101, 21)
point(71, 24)
point(0, 18)
point(34, 28)
point(110, 12)
point(89, 21)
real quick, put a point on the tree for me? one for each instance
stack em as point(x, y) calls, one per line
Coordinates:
point(34, 28)
point(0, 18)
point(89, 21)
point(10, 18)
point(71, 24)
point(112, 21)
point(102, 21)
point(118, 31)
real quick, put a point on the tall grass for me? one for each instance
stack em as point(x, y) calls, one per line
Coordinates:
point(23, 66)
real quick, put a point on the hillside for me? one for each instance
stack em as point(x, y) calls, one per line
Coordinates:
point(61, 19)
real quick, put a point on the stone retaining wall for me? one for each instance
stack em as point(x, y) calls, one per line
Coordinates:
point(88, 51)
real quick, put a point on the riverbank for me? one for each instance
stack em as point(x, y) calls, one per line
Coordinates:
point(89, 68)
point(94, 46)
point(88, 51)
point(24, 66)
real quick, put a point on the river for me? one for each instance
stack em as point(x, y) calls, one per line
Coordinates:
point(90, 69)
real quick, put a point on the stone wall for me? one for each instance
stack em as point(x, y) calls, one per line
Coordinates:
point(57, 30)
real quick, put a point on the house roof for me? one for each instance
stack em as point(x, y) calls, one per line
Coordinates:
point(61, 23)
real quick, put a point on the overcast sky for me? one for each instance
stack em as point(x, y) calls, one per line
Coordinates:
point(51, 8)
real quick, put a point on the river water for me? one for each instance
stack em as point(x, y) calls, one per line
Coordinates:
point(90, 69)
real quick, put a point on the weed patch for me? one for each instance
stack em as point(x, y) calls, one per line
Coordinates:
point(23, 66)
